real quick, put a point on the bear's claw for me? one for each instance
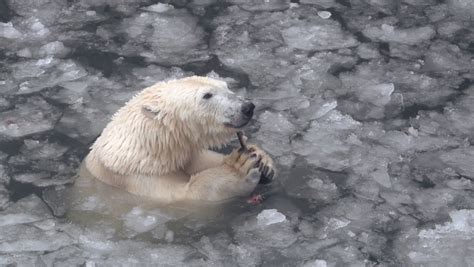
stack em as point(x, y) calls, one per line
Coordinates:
point(243, 161)
point(265, 167)
point(252, 157)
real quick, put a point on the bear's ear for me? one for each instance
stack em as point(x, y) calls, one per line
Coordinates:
point(148, 112)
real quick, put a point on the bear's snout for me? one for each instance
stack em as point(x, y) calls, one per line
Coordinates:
point(247, 109)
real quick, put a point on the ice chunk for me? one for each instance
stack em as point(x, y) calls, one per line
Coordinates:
point(460, 184)
point(171, 37)
point(56, 198)
point(445, 245)
point(410, 87)
point(36, 149)
point(462, 220)
point(388, 33)
point(463, 9)
point(381, 176)
point(323, 3)
point(312, 185)
point(275, 128)
point(4, 103)
point(55, 48)
point(368, 51)
point(449, 28)
point(378, 95)
point(4, 197)
point(35, 75)
point(159, 8)
point(257, 5)
point(27, 210)
point(335, 223)
point(34, 116)
point(319, 35)
point(46, 178)
point(327, 142)
point(324, 14)
point(140, 221)
point(38, 28)
point(444, 56)
point(315, 74)
point(8, 31)
point(269, 217)
point(169, 236)
point(22, 238)
point(153, 74)
point(255, 232)
point(315, 263)
point(461, 160)
point(84, 122)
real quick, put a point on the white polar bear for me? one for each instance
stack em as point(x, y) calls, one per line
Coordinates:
point(157, 145)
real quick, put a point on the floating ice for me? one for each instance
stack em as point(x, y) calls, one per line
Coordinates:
point(315, 263)
point(322, 35)
point(34, 116)
point(36, 75)
point(360, 183)
point(159, 8)
point(84, 122)
point(4, 196)
point(462, 8)
point(460, 184)
point(55, 48)
point(445, 245)
point(27, 210)
point(8, 31)
point(327, 143)
point(461, 160)
point(368, 51)
point(444, 56)
point(23, 238)
point(38, 28)
point(388, 33)
point(378, 95)
point(35, 149)
point(272, 230)
point(269, 217)
point(257, 5)
point(140, 221)
point(173, 37)
point(324, 14)
point(275, 129)
point(335, 223)
point(311, 185)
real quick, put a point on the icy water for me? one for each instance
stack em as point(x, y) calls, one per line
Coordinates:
point(367, 106)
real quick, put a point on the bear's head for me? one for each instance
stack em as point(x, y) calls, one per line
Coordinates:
point(198, 107)
point(199, 100)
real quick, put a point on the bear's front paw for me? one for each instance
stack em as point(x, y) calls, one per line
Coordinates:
point(243, 161)
point(265, 167)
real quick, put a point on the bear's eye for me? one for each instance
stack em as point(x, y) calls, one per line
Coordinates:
point(207, 96)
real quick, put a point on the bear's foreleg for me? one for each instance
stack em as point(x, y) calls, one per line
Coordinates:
point(237, 176)
point(203, 160)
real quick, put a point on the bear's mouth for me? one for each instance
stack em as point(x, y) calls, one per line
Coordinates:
point(238, 123)
point(236, 126)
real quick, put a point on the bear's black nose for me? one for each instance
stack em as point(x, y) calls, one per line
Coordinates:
point(247, 109)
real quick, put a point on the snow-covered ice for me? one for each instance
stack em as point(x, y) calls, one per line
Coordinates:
point(365, 105)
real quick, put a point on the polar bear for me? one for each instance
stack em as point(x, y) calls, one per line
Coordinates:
point(157, 145)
